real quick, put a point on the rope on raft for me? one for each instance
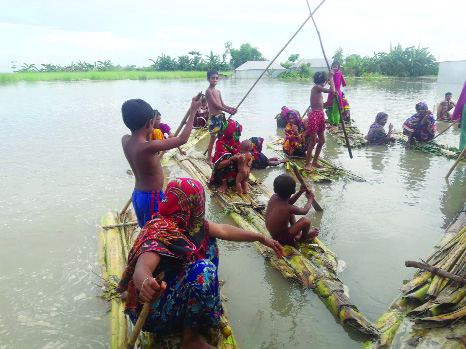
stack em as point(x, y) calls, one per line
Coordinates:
point(278, 54)
point(328, 66)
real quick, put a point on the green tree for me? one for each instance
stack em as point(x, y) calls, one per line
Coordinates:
point(184, 63)
point(196, 59)
point(293, 58)
point(338, 55)
point(245, 53)
point(164, 63)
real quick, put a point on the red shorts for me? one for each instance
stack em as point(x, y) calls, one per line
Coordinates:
point(286, 238)
point(316, 122)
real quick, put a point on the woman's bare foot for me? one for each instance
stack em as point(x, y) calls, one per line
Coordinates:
point(223, 187)
point(317, 165)
point(308, 168)
point(209, 162)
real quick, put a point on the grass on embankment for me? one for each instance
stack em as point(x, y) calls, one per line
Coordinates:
point(104, 75)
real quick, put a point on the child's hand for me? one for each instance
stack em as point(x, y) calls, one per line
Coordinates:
point(309, 194)
point(274, 245)
point(302, 188)
point(330, 72)
point(233, 111)
point(195, 104)
point(390, 127)
point(151, 290)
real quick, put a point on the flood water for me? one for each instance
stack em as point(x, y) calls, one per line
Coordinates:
point(62, 168)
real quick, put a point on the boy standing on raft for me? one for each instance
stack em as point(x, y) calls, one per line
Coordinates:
point(216, 109)
point(316, 120)
point(280, 217)
point(142, 156)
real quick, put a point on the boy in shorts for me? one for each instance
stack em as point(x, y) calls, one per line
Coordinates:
point(316, 119)
point(142, 154)
point(216, 109)
point(280, 217)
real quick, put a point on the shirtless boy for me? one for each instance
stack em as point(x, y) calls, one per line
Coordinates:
point(444, 107)
point(244, 167)
point(316, 120)
point(280, 217)
point(216, 109)
point(142, 156)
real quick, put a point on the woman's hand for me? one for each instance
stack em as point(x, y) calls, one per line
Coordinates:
point(151, 290)
point(274, 245)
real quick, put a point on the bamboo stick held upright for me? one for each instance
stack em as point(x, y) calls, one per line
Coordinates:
point(338, 97)
point(301, 180)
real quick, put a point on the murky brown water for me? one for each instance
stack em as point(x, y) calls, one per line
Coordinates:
point(63, 168)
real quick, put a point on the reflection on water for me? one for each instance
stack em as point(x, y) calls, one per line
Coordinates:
point(63, 168)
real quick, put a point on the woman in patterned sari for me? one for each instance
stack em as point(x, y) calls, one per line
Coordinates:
point(295, 136)
point(420, 126)
point(377, 134)
point(182, 244)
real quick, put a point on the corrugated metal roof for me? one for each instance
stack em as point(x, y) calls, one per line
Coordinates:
point(254, 65)
point(315, 63)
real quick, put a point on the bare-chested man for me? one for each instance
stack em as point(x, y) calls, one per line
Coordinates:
point(142, 156)
point(280, 217)
point(216, 109)
point(444, 107)
point(316, 119)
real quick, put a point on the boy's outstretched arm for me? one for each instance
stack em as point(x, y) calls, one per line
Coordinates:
point(231, 233)
point(296, 196)
point(307, 207)
point(173, 142)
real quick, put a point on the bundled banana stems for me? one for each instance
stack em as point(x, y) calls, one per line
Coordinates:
point(355, 137)
point(315, 268)
point(326, 174)
point(433, 305)
point(116, 239)
point(195, 137)
point(431, 147)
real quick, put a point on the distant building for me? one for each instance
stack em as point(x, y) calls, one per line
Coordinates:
point(253, 69)
point(453, 72)
point(317, 64)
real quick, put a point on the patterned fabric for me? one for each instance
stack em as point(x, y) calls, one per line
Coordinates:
point(333, 116)
point(459, 106)
point(422, 133)
point(180, 236)
point(376, 134)
point(291, 143)
point(146, 204)
point(225, 147)
point(346, 109)
point(259, 160)
point(339, 81)
point(200, 120)
point(316, 122)
point(216, 123)
point(157, 135)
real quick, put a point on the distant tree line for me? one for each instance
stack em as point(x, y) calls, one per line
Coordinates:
point(193, 61)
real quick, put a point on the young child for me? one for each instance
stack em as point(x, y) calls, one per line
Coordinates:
point(280, 217)
point(202, 115)
point(444, 107)
point(244, 167)
point(160, 130)
point(332, 102)
point(142, 156)
point(216, 109)
point(345, 111)
point(316, 119)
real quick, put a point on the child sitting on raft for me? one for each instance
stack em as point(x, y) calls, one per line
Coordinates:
point(160, 130)
point(142, 156)
point(316, 120)
point(202, 115)
point(345, 111)
point(244, 167)
point(280, 217)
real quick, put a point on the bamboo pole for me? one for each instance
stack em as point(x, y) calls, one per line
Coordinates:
point(463, 153)
point(338, 97)
point(454, 122)
point(301, 180)
point(436, 271)
point(142, 317)
point(278, 54)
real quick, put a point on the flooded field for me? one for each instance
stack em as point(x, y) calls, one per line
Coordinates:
point(63, 168)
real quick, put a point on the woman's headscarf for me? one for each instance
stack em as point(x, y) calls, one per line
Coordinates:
point(284, 113)
point(376, 127)
point(178, 232)
point(459, 106)
point(421, 105)
point(229, 141)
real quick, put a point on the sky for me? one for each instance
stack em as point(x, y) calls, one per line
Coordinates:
point(132, 32)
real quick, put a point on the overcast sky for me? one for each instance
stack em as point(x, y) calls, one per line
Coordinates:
point(132, 32)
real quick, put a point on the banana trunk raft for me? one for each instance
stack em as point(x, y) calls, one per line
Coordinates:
point(115, 240)
point(313, 267)
point(355, 137)
point(326, 174)
point(431, 147)
point(430, 311)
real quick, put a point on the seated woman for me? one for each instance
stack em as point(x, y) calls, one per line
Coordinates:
point(295, 136)
point(259, 160)
point(420, 126)
point(281, 118)
point(182, 244)
point(376, 134)
point(226, 155)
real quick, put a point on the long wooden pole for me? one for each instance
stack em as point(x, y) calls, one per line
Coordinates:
point(278, 54)
point(142, 318)
point(161, 154)
point(463, 153)
point(301, 180)
point(436, 271)
point(338, 97)
point(453, 123)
